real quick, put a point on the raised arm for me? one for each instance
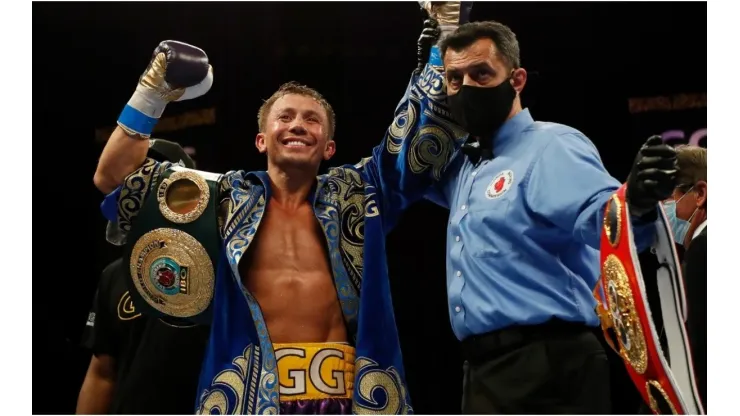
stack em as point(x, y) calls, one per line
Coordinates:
point(417, 146)
point(177, 72)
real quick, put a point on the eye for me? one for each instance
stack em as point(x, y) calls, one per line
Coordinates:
point(284, 117)
point(313, 119)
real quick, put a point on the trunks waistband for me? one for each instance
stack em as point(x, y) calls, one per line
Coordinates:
point(315, 371)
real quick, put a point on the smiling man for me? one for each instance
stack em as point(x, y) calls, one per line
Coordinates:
point(301, 317)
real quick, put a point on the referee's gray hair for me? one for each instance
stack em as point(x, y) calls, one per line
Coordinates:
point(501, 35)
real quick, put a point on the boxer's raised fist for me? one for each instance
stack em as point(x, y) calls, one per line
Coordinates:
point(176, 72)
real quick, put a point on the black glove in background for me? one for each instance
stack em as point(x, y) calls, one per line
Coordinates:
point(652, 178)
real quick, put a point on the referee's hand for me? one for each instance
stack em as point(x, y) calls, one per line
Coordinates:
point(652, 179)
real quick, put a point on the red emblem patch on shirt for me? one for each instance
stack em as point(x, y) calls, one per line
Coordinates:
point(500, 184)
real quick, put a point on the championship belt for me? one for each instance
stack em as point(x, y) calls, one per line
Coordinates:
point(669, 388)
point(174, 245)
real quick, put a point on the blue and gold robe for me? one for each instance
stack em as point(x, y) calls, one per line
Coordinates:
point(356, 206)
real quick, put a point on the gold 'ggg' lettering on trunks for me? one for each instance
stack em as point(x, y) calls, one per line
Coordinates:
point(173, 272)
point(315, 370)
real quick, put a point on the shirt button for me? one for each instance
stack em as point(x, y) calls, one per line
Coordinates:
point(474, 173)
point(457, 238)
point(462, 207)
point(457, 309)
point(459, 273)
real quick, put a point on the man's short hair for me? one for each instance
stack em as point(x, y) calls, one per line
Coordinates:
point(692, 166)
point(501, 35)
point(297, 89)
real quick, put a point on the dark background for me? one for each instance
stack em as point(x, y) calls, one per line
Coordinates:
point(590, 59)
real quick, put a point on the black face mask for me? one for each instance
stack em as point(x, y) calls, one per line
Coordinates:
point(481, 111)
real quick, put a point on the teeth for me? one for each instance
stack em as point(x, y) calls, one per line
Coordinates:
point(295, 143)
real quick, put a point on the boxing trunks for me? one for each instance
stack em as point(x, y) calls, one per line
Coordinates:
point(667, 387)
point(315, 379)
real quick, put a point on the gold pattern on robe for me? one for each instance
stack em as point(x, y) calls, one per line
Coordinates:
point(349, 188)
point(244, 235)
point(136, 187)
point(371, 206)
point(632, 343)
point(399, 130)
point(269, 405)
point(431, 147)
point(227, 389)
point(372, 378)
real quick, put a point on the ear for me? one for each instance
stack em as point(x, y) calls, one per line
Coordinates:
point(330, 149)
point(259, 142)
point(519, 79)
point(701, 194)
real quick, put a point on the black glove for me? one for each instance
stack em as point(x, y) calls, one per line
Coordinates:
point(429, 37)
point(652, 179)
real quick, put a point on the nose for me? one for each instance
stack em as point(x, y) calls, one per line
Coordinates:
point(296, 127)
point(468, 80)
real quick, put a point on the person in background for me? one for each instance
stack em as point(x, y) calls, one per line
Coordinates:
point(140, 364)
point(687, 213)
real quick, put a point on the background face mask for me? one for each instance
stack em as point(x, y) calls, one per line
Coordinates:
point(678, 226)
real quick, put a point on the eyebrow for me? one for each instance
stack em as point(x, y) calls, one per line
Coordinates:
point(312, 113)
point(476, 65)
point(293, 110)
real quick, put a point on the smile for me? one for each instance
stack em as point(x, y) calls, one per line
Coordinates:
point(295, 142)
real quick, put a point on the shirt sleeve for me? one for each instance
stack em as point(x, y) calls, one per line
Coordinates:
point(100, 327)
point(88, 331)
point(569, 187)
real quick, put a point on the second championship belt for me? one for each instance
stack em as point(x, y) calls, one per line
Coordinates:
point(174, 245)
point(668, 387)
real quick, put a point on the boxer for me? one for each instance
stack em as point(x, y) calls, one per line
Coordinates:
point(290, 269)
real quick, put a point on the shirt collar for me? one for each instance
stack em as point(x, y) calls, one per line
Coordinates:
point(699, 229)
point(511, 128)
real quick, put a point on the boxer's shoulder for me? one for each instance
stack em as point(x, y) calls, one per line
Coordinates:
point(346, 173)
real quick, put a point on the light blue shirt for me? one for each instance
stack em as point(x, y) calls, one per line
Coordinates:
point(524, 228)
